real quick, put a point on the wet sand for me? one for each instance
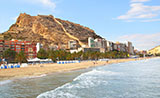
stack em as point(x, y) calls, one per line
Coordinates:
point(40, 69)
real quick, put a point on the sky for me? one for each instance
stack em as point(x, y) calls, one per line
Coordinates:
point(137, 21)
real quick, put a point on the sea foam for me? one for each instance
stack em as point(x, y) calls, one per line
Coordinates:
point(32, 77)
point(84, 81)
point(5, 82)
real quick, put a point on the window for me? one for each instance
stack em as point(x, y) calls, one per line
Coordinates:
point(30, 49)
point(17, 45)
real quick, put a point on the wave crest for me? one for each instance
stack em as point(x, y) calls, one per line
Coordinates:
point(85, 81)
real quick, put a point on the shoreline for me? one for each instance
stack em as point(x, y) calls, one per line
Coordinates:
point(41, 69)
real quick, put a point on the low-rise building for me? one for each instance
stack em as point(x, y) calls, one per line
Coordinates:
point(85, 49)
point(1, 37)
point(73, 44)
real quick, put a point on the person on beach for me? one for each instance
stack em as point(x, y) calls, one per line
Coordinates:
point(107, 61)
point(94, 62)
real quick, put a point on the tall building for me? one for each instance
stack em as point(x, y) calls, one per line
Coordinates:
point(130, 48)
point(91, 42)
point(109, 46)
point(123, 47)
point(104, 45)
point(98, 42)
point(120, 47)
point(38, 46)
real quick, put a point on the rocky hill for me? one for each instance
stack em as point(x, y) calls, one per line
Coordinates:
point(155, 50)
point(48, 30)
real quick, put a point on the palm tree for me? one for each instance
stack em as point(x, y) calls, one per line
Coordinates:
point(21, 57)
point(9, 55)
point(42, 54)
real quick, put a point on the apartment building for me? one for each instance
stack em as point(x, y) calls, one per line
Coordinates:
point(28, 47)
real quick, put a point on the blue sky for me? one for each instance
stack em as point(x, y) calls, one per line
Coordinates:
point(116, 20)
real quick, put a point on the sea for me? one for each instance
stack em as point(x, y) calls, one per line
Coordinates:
point(134, 79)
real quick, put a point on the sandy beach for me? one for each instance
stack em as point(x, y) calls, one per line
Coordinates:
point(40, 69)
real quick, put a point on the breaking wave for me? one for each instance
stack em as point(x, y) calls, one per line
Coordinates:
point(84, 81)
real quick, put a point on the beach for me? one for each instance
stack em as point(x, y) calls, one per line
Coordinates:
point(115, 78)
point(40, 69)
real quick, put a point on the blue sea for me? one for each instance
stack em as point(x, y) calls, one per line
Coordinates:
point(135, 79)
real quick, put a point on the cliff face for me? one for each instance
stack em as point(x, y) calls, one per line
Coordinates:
point(48, 30)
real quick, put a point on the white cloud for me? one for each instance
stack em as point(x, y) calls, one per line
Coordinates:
point(139, 11)
point(150, 20)
point(142, 41)
point(139, 0)
point(46, 3)
point(130, 20)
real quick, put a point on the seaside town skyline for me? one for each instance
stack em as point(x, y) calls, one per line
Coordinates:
point(79, 49)
point(139, 25)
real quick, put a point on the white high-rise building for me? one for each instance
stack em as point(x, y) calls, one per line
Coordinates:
point(91, 42)
point(38, 46)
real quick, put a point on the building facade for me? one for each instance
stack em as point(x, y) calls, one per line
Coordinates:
point(38, 46)
point(89, 49)
point(73, 44)
point(91, 42)
point(28, 47)
point(130, 48)
point(110, 46)
point(97, 44)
